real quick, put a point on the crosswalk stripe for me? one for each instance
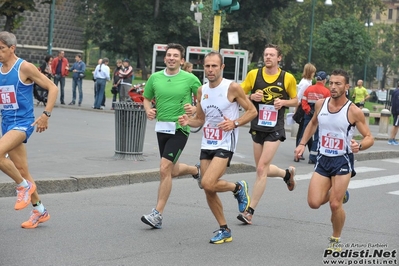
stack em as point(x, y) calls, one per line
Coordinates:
point(361, 169)
point(382, 180)
point(391, 160)
point(394, 192)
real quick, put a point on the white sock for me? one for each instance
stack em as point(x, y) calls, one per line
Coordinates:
point(39, 208)
point(23, 184)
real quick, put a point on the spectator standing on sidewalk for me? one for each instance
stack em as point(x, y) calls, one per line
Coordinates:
point(309, 71)
point(311, 95)
point(173, 89)
point(17, 78)
point(126, 78)
point(78, 69)
point(395, 115)
point(101, 75)
point(45, 67)
point(60, 67)
point(116, 83)
point(360, 94)
point(187, 66)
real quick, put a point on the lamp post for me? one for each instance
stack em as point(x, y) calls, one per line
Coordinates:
point(197, 16)
point(51, 28)
point(327, 3)
point(368, 24)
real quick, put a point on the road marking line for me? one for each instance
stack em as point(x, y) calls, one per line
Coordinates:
point(391, 160)
point(382, 180)
point(361, 169)
point(394, 192)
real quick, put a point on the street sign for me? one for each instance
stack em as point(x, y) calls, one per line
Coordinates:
point(380, 71)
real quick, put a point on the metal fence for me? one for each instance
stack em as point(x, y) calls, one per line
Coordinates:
point(130, 125)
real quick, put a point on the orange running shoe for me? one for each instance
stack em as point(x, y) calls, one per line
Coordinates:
point(23, 196)
point(35, 219)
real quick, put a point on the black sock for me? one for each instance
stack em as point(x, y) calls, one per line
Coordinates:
point(37, 203)
point(223, 226)
point(250, 210)
point(287, 175)
point(237, 188)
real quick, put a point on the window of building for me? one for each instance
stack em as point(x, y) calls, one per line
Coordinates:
point(390, 13)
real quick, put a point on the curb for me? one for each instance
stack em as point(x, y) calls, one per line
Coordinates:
point(83, 182)
point(376, 155)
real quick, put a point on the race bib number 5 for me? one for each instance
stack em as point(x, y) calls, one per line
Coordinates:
point(267, 115)
point(8, 99)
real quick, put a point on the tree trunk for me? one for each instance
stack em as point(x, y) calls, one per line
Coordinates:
point(141, 60)
point(156, 8)
point(9, 25)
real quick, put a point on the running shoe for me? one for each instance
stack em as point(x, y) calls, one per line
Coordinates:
point(291, 183)
point(242, 196)
point(245, 217)
point(346, 197)
point(154, 219)
point(198, 176)
point(24, 195)
point(334, 244)
point(35, 219)
point(222, 236)
point(394, 142)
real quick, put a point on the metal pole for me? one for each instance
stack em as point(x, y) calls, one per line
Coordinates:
point(199, 29)
point(367, 58)
point(217, 20)
point(51, 28)
point(311, 32)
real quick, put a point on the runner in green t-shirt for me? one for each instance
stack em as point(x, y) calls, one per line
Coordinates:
point(172, 89)
point(172, 92)
point(360, 94)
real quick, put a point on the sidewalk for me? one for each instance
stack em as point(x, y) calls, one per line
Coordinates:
point(77, 151)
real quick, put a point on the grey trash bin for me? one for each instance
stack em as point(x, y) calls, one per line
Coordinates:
point(130, 125)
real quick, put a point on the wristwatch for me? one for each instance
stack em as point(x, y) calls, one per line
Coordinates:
point(236, 124)
point(48, 114)
point(360, 146)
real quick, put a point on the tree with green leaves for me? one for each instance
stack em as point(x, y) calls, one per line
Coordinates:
point(12, 10)
point(291, 26)
point(385, 39)
point(343, 42)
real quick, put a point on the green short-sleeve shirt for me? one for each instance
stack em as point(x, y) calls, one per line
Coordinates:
point(171, 93)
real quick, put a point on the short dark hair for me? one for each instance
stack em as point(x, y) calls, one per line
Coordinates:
point(341, 72)
point(176, 46)
point(79, 55)
point(275, 46)
point(47, 58)
point(214, 53)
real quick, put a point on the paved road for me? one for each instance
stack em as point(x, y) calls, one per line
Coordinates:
point(103, 227)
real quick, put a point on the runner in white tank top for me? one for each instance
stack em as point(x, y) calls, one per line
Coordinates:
point(217, 111)
point(216, 106)
point(336, 118)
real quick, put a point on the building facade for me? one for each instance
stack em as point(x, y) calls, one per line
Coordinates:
point(32, 35)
